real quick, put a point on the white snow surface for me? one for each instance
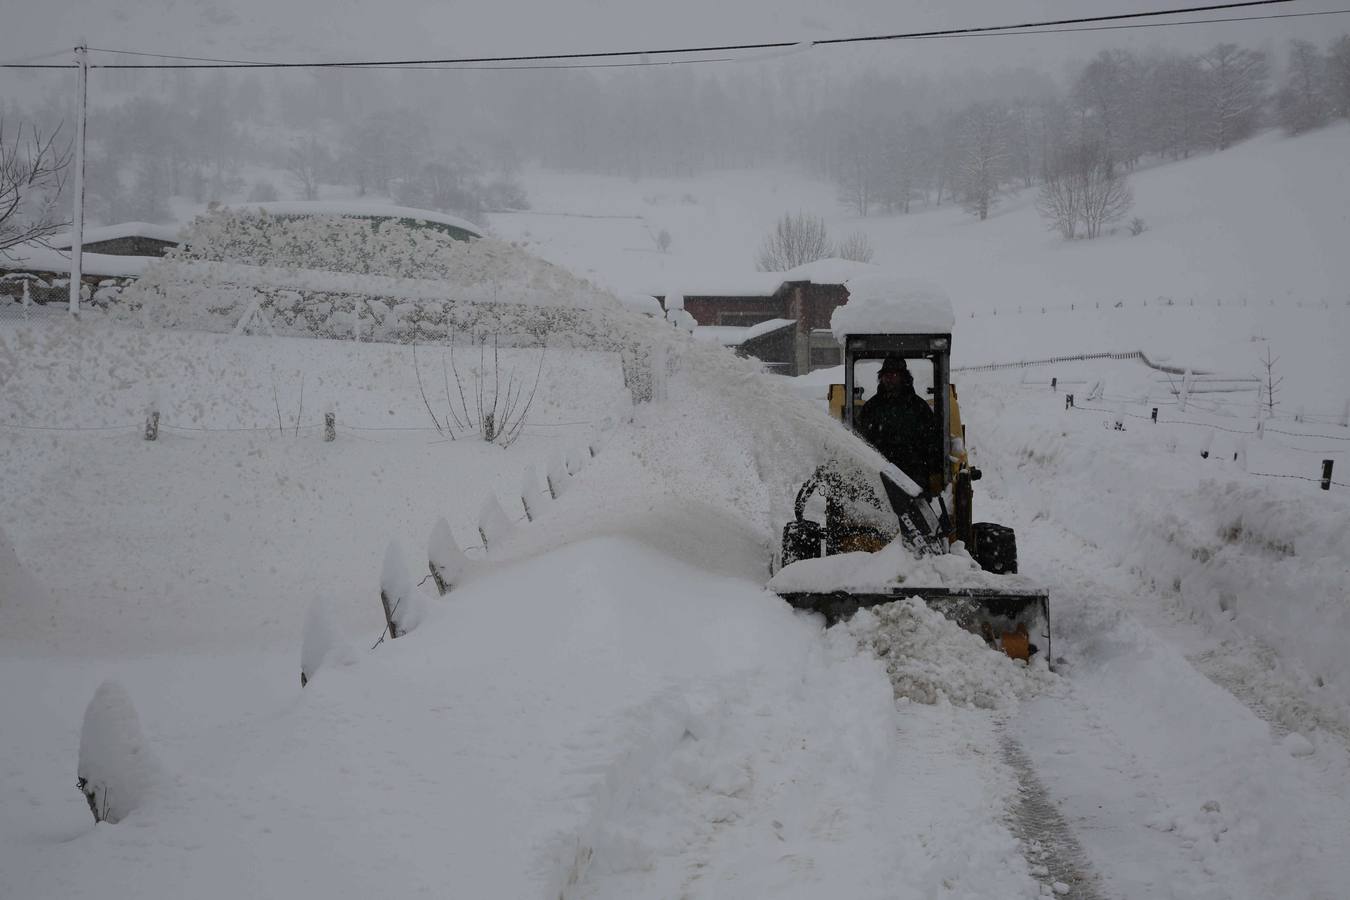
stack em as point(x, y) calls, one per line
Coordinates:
point(610, 703)
point(882, 303)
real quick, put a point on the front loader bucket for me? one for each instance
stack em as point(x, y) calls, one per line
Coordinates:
point(1016, 622)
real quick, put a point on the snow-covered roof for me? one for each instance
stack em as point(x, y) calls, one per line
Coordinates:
point(28, 257)
point(360, 210)
point(829, 271)
point(766, 284)
point(739, 284)
point(735, 335)
point(881, 303)
point(643, 303)
point(763, 328)
point(171, 233)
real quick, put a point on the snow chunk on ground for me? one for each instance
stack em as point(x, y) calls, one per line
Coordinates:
point(117, 771)
point(1296, 744)
point(888, 304)
point(931, 659)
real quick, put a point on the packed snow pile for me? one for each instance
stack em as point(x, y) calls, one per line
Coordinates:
point(931, 659)
point(882, 303)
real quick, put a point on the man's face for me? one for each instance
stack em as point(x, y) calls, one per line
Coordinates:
point(892, 379)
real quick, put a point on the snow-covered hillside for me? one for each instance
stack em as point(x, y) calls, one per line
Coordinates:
point(1264, 220)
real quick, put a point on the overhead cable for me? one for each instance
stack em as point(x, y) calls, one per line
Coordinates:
point(1048, 26)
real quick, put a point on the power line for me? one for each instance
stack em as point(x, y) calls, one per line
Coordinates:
point(1040, 27)
point(1133, 25)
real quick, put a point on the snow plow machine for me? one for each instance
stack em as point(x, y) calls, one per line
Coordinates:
point(874, 546)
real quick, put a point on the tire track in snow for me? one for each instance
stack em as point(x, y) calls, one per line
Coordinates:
point(1056, 858)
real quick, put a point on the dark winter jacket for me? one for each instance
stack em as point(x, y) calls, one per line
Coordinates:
point(904, 429)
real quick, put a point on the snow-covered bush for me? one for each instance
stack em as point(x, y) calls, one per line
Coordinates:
point(332, 243)
point(117, 772)
point(385, 281)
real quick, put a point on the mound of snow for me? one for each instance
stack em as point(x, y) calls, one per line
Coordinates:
point(931, 659)
point(882, 303)
point(117, 771)
point(322, 643)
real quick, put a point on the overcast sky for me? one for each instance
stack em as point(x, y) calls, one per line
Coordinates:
point(314, 29)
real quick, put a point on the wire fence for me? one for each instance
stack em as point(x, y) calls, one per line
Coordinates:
point(289, 429)
point(1161, 302)
point(1205, 425)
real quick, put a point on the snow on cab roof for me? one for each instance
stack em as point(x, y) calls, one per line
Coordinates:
point(358, 210)
point(882, 303)
point(169, 233)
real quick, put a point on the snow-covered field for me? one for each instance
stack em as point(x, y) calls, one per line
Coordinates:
point(611, 704)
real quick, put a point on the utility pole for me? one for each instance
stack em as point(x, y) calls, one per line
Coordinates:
point(77, 223)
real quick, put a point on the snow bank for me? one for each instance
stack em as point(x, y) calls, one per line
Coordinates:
point(888, 304)
point(117, 771)
point(1261, 563)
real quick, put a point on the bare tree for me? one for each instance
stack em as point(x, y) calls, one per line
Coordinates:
point(796, 240)
point(1272, 384)
point(984, 160)
point(1058, 202)
point(1083, 187)
point(307, 164)
point(1236, 87)
point(856, 247)
point(1303, 103)
point(32, 174)
point(1338, 76)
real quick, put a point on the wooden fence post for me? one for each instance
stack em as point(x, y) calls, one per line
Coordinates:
point(1326, 474)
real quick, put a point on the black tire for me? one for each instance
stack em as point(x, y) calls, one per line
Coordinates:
point(801, 540)
point(994, 548)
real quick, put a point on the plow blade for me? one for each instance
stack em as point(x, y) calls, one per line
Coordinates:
point(1016, 622)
